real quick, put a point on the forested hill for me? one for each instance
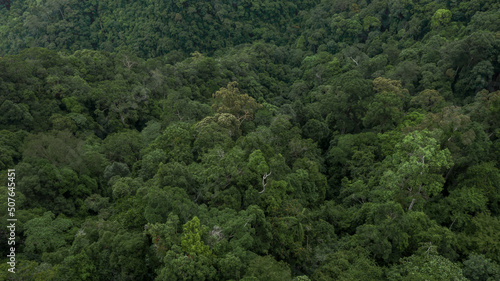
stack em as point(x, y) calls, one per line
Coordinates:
point(150, 28)
point(251, 140)
point(155, 28)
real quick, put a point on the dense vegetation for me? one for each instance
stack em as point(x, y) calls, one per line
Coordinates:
point(252, 140)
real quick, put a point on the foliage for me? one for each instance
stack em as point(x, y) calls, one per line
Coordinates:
point(426, 267)
point(251, 140)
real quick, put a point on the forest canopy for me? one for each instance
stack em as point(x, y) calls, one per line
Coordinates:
point(251, 140)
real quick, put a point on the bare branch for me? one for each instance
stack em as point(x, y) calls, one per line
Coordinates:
point(127, 62)
point(354, 61)
point(179, 115)
point(264, 183)
point(411, 204)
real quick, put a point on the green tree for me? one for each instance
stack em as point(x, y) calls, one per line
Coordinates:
point(47, 234)
point(478, 267)
point(257, 163)
point(385, 112)
point(267, 268)
point(76, 267)
point(441, 18)
point(160, 202)
point(191, 240)
point(175, 142)
point(150, 163)
point(347, 105)
point(123, 147)
point(179, 266)
point(230, 100)
point(61, 148)
point(426, 266)
point(415, 169)
point(482, 236)
point(348, 265)
point(428, 100)
point(10, 148)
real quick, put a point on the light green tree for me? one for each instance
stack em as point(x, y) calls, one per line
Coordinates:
point(440, 18)
point(415, 169)
point(191, 241)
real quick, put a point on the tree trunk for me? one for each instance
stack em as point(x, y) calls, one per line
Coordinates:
point(411, 204)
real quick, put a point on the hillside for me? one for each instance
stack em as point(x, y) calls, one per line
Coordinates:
point(250, 140)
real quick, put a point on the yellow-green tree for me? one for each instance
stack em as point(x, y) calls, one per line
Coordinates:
point(230, 100)
point(191, 240)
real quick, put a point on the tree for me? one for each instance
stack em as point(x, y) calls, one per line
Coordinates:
point(477, 267)
point(177, 175)
point(46, 234)
point(463, 204)
point(426, 266)
point(60, 190)
point(123, 147)
point(179, 107)
point(61, 148)
point(191, 240)
point(319, 68)
point(230, 267)
point(257, 163)
point(210, 134)
point(317, 131)
point(385, 112)
point(226, 121)
point(128, 251)
point(179, 266)
point(353, 264)
point(10, 148)
point(267, 268)
point(150, 163)
point(307, 183)
point(6, 4)
point(482, 236)
point(230, 100)
point(30, 270)
point(115, 171)
point(415, 169)
point(175, 142)
point(15, 115)
point(160, 202)
point(384, 232)
point(164, 235)
point(121, 100)
point(486, 109)
point(282, 132)
point(125, 187)
point(353, 156)
point(76, 267)
point(440, 18)
point(428, 100)
point(139, 158)
point(483, 178)
point(348, 103)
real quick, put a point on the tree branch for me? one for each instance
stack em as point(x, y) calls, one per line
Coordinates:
point(354, 60)
point(264, 183)
point(411, 204)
